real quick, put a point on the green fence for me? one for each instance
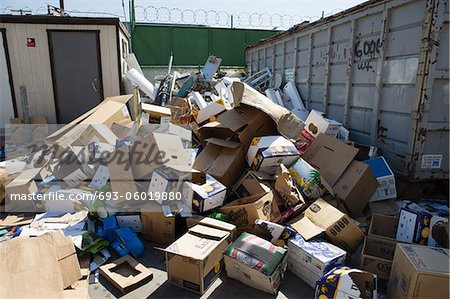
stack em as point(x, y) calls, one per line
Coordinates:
point(191, 45)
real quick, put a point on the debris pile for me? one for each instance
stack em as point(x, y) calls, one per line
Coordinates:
point(222, 176)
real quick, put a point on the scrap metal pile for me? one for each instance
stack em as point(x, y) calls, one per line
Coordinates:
point(225, 178)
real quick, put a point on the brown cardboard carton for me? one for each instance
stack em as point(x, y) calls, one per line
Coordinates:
point(374, 262)
point(157, 228)
point(154, 150)
point(321, 217)
point(104, 113)
point(356, 186)
point(330, 157)
point(126, 273)
point(419, 272)
point(120, 174)
point(242, 123)
point(244, 211)
point(382, 232)
point(156, 112)
point(287, 123)
point(22, 186)
point(195, 260)
point(211, 222)
point(225, 162)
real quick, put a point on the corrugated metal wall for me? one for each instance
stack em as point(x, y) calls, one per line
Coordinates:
point(191, 45)
point(361, 68)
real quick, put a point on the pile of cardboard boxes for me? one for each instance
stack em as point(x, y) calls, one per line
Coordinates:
point(223, 178)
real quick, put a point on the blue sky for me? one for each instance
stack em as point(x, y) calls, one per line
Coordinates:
point(146, 9)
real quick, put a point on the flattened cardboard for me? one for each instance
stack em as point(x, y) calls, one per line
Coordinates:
point(356, 186)
point(155, 111)
point(321, 217)
point(124, 279)
point(195, 260)
point(419, 272)
point(44, 277)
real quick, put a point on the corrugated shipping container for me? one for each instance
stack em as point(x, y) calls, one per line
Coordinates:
point(382, 69)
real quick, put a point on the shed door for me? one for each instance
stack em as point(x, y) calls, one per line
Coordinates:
point(76, 71)
point(6, 100)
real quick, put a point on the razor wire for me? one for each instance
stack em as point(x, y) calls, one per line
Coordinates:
point(213, 18)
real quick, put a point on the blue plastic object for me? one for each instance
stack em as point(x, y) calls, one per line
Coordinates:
point(107, 230)
point(379, 167)
point(128, 242)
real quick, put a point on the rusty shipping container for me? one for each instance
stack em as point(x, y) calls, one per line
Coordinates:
point(382, 69)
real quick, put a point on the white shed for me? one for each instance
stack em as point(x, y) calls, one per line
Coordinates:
point(67, 65)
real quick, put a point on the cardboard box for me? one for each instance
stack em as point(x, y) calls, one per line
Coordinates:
point(382, 232)
point(419, 272)
point(154, 150)
point(169, 180)
point(126, 273)
point(330, 157)
point(385, 177)
point(373, 261)
point(120, 174)
point(310, 260)
point(356, 186)
point(307, 179)
point(414, 226)
point(23, 185)
point(211, 110)
point(315, 124)
point(214, 223)
point(208, 196)
point(224, 162)
point(241, 123)
point(252, 182)
point(244, 211)
point(155, 112)
point(256, 263)
point(268, 152)
point(195, 260)
point(158, 228)
point(321, 217)
point(343, 282)
point(287, 123)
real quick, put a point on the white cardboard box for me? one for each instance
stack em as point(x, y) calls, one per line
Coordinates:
point(315, 124)
point(268, 152)
point(310, 260)
point(385, 177)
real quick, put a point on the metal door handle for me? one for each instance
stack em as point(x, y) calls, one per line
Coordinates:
point(93, 87)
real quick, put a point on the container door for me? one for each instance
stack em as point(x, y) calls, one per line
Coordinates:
point(6, 99)
point(76, 71)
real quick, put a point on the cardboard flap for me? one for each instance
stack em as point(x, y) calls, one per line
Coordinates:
point(306, 228)
point(330, 157)
point(208, 232)
point(223, 143)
